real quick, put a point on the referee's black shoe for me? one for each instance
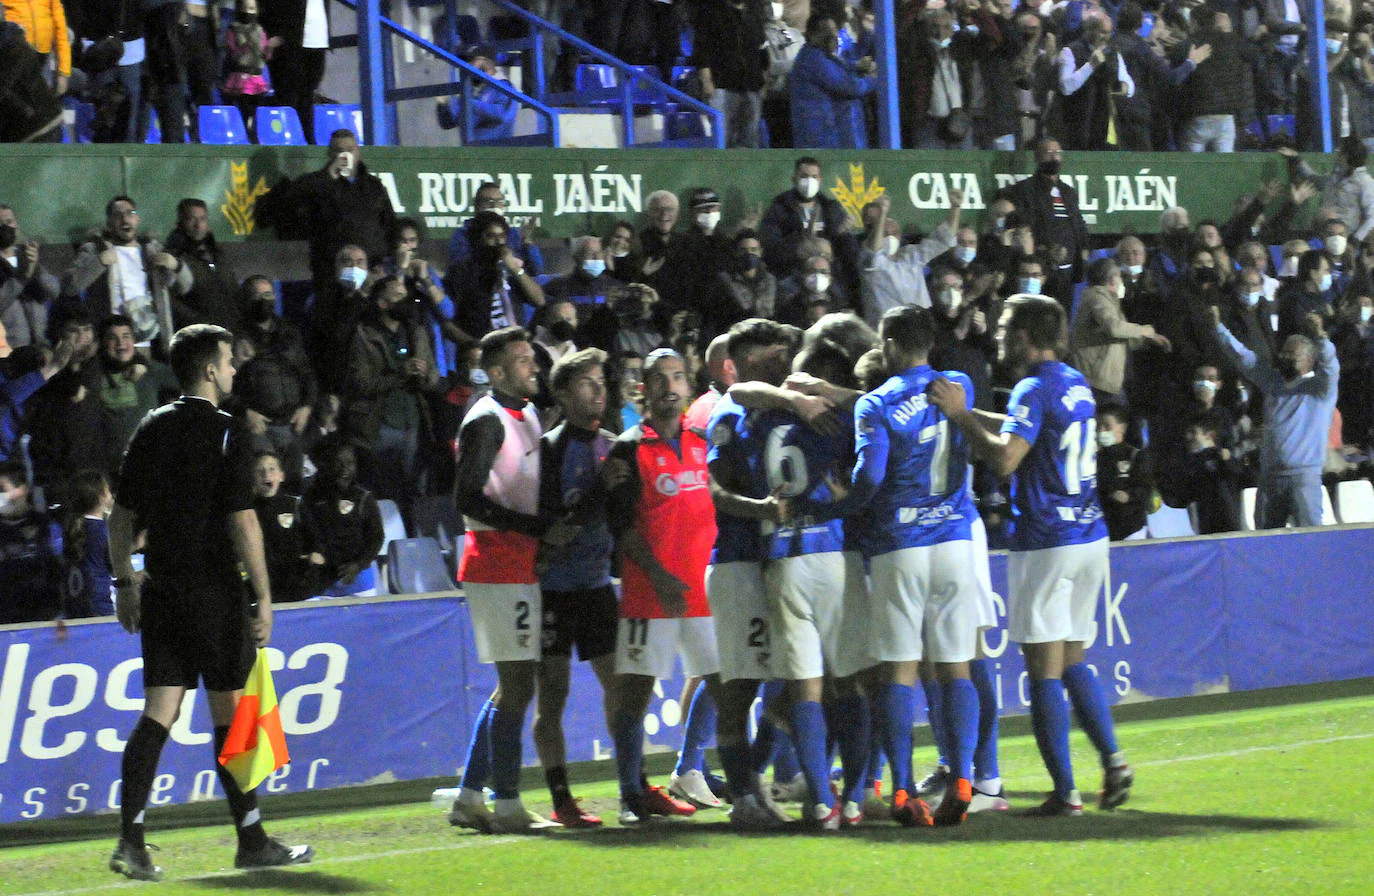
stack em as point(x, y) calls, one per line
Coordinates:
point(273, 854)
point(134, 862)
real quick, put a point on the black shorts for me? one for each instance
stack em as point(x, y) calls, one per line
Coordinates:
point(196, 633)
point(587, 617)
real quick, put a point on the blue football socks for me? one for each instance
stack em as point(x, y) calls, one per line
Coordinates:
point(899, 714)
point(506, 728)
point(478, 766)
point(852, 734)
point(985, 753)
point(961, 725)
point(808, 727)
point(1090, 705)
point(935, 714)
point(1050, 722)
point(629, 751)
point(700, 727)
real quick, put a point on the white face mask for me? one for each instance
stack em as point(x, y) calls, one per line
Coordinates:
point(1121, 289)
point(1326, 283)
point(1289, 267)
point(1335, 244)
point(965, 254)
point(1252, 299)
point(808, 187)
point(708, 220)
point(619, 253)
point(478, 377)
point(353, 277)
point(817, 282)
point(952, 298)
point(777, 11)
point(1135, 270)
point(1333, 45)
point(1366, 313)
point(1106, 438)
point(1030, 285)
point(891, 244)
point(1204, 389)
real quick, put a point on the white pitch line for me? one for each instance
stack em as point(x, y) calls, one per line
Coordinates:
point(505, 841)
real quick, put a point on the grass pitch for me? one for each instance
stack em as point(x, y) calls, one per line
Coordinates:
point(1269, 799)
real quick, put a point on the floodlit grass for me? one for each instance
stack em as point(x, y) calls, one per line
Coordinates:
point(1272, 799)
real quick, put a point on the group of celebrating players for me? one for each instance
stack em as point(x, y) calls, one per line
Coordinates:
point(809, 520)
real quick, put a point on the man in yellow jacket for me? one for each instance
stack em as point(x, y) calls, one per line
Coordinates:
point(45, 27)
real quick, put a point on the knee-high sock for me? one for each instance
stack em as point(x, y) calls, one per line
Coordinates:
point(629, 751)
point(961, 725)
point(1090, 705)
point(852, 733)
point(899, 713)
point(243, 806)
point(935, 713)
point(478, 767)
point(506, 753)
point(786, 761)
point(764, 746)
point(1050, 722)
point(138, 768)
point(697, 733)
point(808, 728)
point(985, 753)
point(736, 763)
point(877, 725)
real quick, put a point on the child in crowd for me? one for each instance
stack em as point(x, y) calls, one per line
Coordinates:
point(246, 56)
point(279, 515)
point(341, 526)
point(87, 576)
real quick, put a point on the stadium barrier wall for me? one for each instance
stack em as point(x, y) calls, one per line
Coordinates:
point(379, 690)
point(60, 192)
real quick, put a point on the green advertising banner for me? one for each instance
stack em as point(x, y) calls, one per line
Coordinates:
point(59, 192)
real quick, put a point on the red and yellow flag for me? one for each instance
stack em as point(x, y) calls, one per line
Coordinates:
point(256, 745)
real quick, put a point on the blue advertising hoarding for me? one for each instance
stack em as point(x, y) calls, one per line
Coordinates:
point(386, 690)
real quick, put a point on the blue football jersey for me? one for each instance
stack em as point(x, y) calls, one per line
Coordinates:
point(914, 463)
point(1054, 491)
point(737, 436)
point(796, 460)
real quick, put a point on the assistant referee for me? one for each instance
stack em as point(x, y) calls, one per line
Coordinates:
point(187, 482)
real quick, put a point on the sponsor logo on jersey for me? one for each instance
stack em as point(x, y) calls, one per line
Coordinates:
point(1078, 395)
point(721, 433)
point(687, 480)
point(1022, 414)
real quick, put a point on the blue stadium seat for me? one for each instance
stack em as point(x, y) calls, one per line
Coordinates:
point(642, 92)
point(154, 134)
point(684, 124)
point(593, 76)
point(222, 126)
point(1281, 124)
point(280, 126)
point(416, 566)
point(329, 119)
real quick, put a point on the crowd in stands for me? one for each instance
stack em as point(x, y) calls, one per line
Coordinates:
point(1211, 350)
point(988, 74)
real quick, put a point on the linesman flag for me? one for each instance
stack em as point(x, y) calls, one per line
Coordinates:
point(256, 745)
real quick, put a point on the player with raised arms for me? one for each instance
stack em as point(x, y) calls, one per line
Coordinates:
point(1058, 561)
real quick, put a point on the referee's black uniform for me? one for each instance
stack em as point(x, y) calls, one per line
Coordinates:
point(187, 469)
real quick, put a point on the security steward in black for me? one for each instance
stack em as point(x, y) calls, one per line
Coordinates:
point(186, 481)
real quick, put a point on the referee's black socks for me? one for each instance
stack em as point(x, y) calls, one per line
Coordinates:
point(557, 778)
point(244, 806)
point(138, 769)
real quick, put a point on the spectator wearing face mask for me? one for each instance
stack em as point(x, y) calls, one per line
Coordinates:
point(1311, 291)
point(1125, 476)
point(748, 288)
point(1050, 206)
point(1251, 316)
point(704, 252)
point(1101, 337)
point(333, 315)
point(963, 339)
point(1204, 401)
point(814, 299)
point(803, 211)
point(1340, 255)
point(892, 274)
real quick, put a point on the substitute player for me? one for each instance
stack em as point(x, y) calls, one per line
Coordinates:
point(187, 479)
point(497, 489)
point(1058, 560)
point(575, 579)
point(660, 511)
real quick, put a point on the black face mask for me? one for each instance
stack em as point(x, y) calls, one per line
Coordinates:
point(406, 311)
point(7, 236)
point(562, 330)
point(261, 312)
point(1206, 276)
point(1286, 368)
point(1050, 168)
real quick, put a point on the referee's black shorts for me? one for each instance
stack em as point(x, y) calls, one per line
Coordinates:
point(587, 617)
point(196, 632)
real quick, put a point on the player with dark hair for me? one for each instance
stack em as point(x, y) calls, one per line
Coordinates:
point(187, 479)
point(1058, 561)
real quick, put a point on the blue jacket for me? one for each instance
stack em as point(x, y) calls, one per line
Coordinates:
point(825, 93)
